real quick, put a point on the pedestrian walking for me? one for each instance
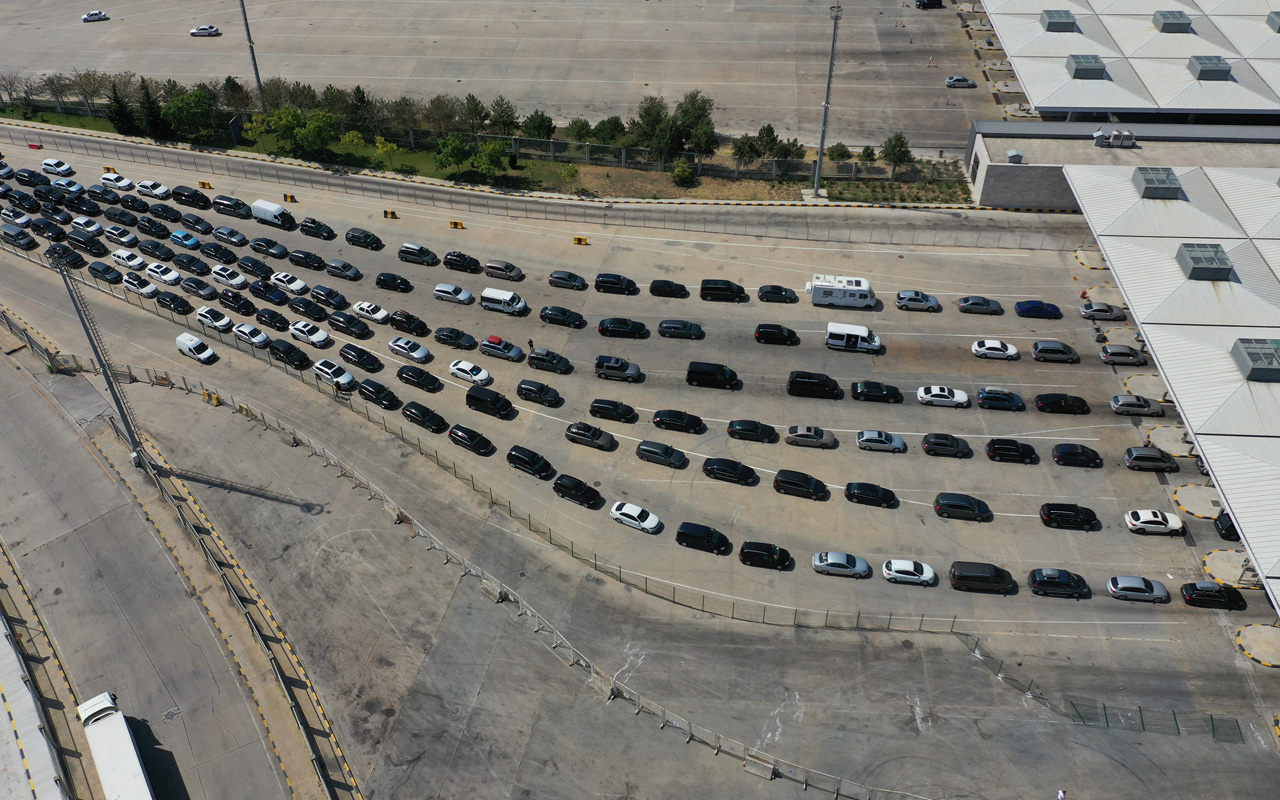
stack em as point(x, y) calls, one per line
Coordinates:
point(530, 345)
point(1062, 794)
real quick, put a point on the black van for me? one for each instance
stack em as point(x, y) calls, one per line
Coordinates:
point(530, 461)
point(813, 384)
point(722, 291)
point(798, 484)
point(763, 554)
point(701, 537)
point(702, 373)
point(232, 206)
point(86, 242)
point(17, 237)
point(978, 576)
point(487, 401)
point(186, 196)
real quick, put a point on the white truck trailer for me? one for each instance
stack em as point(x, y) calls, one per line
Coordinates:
point(114, 753)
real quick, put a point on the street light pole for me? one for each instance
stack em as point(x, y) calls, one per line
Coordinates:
point(253, 57)
point(836, 11)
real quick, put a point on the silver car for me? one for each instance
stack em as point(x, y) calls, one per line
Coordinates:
point(914, 300)
point(845, 564)
point(881, 440)
point(810, 436)
point(1102, 311)
point(1122, 354)
point(1132, 405)
point(1132, 587)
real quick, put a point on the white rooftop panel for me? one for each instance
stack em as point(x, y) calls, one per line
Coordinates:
point(1253, 197)
point(1246, 468)
point(1049, 86)
point(1034, 7)
point(1114, 208)
point(1024, 36)
point(1138, 37)
point(1251, 37)
point(1174, 88)
point(1260, 8)
point(1212, 394)
point(1144, 7)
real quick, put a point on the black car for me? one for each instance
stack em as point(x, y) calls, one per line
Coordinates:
point(289, 353)
point(564, 279)
point(749, 430)
point(29, 177)
point(530, 462)
point(393, 282)
point(944, 444)
point(359, 237)
point(135, 204)
point(378, 394)
point(615, 410)
point(1068, 515)
point(1049, 582)
point(165, 213)
point(196, 223)
point(575, 490)
point(253, 266)
point(419, 377)
point(609, 283)
point(548, 361)
point(234, 301)
point(153, 227)
point(771, 333)
point(348, 323)
point(875, 392)
point(198, 288)
point(419, 414)
point(189, 263)
point(453, 337)
point(1208, 594)
point(813, 384)
point(680, 329)
point(106, 272)
point(306, 258)
point(961, 506)
point(357, 356)
point(267, 247)
point(1055, 403)
point(1076, 455)
point(61, 254)
point(666, 288)
point(308, 308)
point(998, 399)
point(457, 260)
point(556, 315)
point(103, 194)
point(539, 393)
point(272, 319)
point(729, 471)
point(154, 249)
point(83, 205)
point(405, 322)
point(329, 297)
point(621, 327)
point(173, 302)
point(343, 269)
point(47, 230)
point(472, 440)
point(121, 217)
point(670, 419)
point(1010, 450)
point(53, 213)
point(869, 494)
point(265, 291)
point(773, 293)
point(799, 484)
point(20, 199)
point(317, 229)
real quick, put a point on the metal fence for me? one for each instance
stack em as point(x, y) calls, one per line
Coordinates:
point(1085, 711)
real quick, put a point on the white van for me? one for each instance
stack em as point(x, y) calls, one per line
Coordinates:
point(193, 346)
point(855, 338)
point(506, 302)
point(840, 290)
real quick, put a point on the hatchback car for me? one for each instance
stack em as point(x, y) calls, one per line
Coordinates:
point(869, 494)
point(942, 396)
point(666, 288)
point(750, 430)
point(419, 414)
point(1076, 455)
point(1102, 311)
point(1133, 587)
point(1208, 594)
point(460, 261)
point(229, 235)
point(452, 294)
point(976, 304)
point(329, 297)
point(1068, 515)
point(557, 315)
point(405, 322)
point(771, 333)
point(810, 436)
point(913, 300)
point(994, 348)
point(350, 324)
point(1150, 520)
point(251, 335)
point(1149, 459)
point(615, 410)
point(729, 471)
point(875, 392)
point(944, 444)
point(1010, 450)
point(472, 440)
point(799, 484)
point(773, 293)
point(1055, 582)
point(843, 564)
point(899, 570)
point(563, 279)
point(306, 258)
point(198, 288)
point(1113, 354)
point(197, 223)
point(465, 370)
point(317, 229)
point(680, 329)
point(1037, 309)
point(585, 433)
point(610, 283)
point(348, 272)
point(951, 505)
point(309, 333)
point(881, 440)
point(669, 419)
point(622, 328)
point(213, 318)
point(659, 453)
point(536, 392)
point(268, 247)
point(1135, 405)
point(139, 285)
point(1055, 403)
point(453, 337)
point(417, 254)
point(393, 282)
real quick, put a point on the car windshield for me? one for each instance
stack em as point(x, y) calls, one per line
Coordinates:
point(643, 515)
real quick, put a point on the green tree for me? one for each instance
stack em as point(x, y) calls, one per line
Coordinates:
point(189, 115)
point(650, 116)
point(766, 139)
point(388, 149)
point(538, 125)
point(285, 123)
point(703, 139)
point(258, 126)
point(454, 152)
point(151, 121)
point(90, 84)
point(668, 140)
point(443, 113)
point(236, 96)
point(746, 149)
point(503, 119)
point(319, 129)
point(474, 113)
point(336, 101)
point(839, 152)
point(10, 81)
point(120, 113)
point(788, 150)
point(867, 155)
point(682, 173)
point(578, 130)
point(896, 150)
point(569, 174)
point(57, 86)
point(275, 93)
point(171, 90)
point(406, 113)
point(608, 131)
point(358, 111)
point(491, 159)
point(352, 139)
point(303, 96)
point(693, 109)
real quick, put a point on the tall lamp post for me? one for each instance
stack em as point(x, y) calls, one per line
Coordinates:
point(254, 58)
point(836, 11)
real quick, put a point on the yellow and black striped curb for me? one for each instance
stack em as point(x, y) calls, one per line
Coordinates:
point(35, 614)
point(1125, 384)
point(1276, 725)
point(522, 195)
point(1155, 428)
point(31, 329)
point(1087, 265)
point(1251, 656)
point(1204, 564)
point(195, 590)
point(1183, 508)
point(17, 737)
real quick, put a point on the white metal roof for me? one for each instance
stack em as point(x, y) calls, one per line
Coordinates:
point(1190, 326)
point(1146, 69)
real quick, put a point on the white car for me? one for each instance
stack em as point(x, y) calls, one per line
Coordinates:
point(1149, 520)
point(452, 294)
point(942, 396)
point(213, 318)
point(114, 181)
point(250, 335)
point(881, 440)
point(633, 516)
point(229, 277)
point(56, 166)
point(129, 259)
point(845, 564)
point(133, 282)
point(154, 189)
point(410, 349)
point(206, 30)
point(165, 274)
point(14, 216)
point(308, 332)
point(371, 311)
point(283, 280)
point(465, 370)
point(95, 16)
point(902, 570)
point(87, 225)
point(994, 348)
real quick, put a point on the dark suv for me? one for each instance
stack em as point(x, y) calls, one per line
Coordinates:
point(813, 384)
point(378, 394)
point(960, 506)
point(405, 322)
point(763, 554)
point(575, 490)
point(1068, 515)
point(799, 484)
point(772, 333)
point(610, 283)
point(1010, 450)
point(359, 237)
point(531, 462)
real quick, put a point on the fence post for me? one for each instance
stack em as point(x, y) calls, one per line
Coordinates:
point(1176, 727)
point(1142, 720)
point(1105, 718)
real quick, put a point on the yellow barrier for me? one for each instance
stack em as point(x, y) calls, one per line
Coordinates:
point(108, 170)
point(388, 214)
point(455, 224)
point(579, 240)
point(206, 185)
point(288, 198)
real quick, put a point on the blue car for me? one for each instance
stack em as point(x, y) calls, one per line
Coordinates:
point(184, 239)
point(1037, 309)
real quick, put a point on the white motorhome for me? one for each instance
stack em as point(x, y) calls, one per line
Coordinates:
point(840, 290)
point(498, 300)
point(855, 338)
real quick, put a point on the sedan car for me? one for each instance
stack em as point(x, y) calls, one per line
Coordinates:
point(286, 281)
point(977, 304)
point(810, 436)
point(633, 516)
point(268, 247)
point(942, 396)
point(465, 370)
point(899, 570)
point(1076, 455)
point(996, 398)
point(1102, 311)
point(198, 288)
point(218, 253)
point(113, 181)
point(666, 288)
point(154, 249)
point(357, 356)
point(419, 377)
point(1056, 582)
point(1133, 587)
point(206, 30)
point(410, 349)
point(197, 223)
point(308, 308)
point(1037, 309)
point(68, 187)
point(135, 204)
point(371, 311)
point(869, 494)
point(750, 430)
point(184, 239)
point(272, 319)
point(881, 440)
point(563, 279)
point(452, 294)
point(842, 564)
point(1055, 403)
point(944, 444)
point(165, 213)
point(670, 419)
point(773, 293)
point(1208, 594)
point(680, 329)
point(310, 333)
point(251, 335)
point(556, 315)
point(875, 392)
point(960, 82)
point(913, 300)
point(1068, 515)
point(994, 348)
point(585, 433)
point(453, 337)
point(419, 414)
point(265, 291)
point(1149, 520)
point(729, 471)
point(472, 440)
point(1135, 405)
point(623, 328)
point(615, 410)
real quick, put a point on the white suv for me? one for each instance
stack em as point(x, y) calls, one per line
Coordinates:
point(334, 375)
point(129, 259)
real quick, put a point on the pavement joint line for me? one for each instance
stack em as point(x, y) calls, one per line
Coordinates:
point(1254, 658)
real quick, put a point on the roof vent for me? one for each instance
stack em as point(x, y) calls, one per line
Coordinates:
point(1086, 68)
point(1204, 262)
point(1209, 68)
point(1157, 183)
point(1172, 22)
point(1273, 21)
point(1058, 21)
point(1014, 156)
point(1258, 359)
